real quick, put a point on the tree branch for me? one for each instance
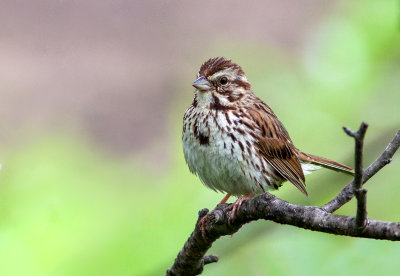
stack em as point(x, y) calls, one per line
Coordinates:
point(358, 191)
point(191, 259)
point(346, 194)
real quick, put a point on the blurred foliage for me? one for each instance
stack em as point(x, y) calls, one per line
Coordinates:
point(68, 209)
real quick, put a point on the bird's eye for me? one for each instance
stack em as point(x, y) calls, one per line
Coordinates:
point(223, 80)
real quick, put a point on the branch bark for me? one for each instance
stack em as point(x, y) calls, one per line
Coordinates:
point(358, 191)
point(191, 259)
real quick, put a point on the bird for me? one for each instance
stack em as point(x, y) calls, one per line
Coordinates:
point(235, 143)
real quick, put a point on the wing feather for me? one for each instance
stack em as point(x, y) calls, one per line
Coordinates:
point(276, 147)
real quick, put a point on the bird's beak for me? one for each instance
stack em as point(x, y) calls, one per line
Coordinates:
point(202, 84)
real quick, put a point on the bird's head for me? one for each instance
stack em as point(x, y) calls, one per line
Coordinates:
point(220, 79)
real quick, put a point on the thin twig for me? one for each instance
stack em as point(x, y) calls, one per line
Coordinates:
point(346, 194)
point(358, 191)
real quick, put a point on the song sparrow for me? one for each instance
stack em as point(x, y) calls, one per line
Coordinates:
point(235, 143)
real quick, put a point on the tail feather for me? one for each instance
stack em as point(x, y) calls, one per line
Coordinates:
point(326, 163)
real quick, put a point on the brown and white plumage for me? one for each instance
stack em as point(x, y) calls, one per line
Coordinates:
point(234, 142)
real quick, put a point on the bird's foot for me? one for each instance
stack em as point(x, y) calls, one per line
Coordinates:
point(225, 199)
point(203, 220)
point(202, 224)
point(236, 205)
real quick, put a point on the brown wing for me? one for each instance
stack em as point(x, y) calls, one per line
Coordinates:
point(276, 146)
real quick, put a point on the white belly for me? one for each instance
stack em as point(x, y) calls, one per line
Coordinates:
point(221, 164)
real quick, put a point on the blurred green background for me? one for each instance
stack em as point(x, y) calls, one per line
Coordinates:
point(92, 96)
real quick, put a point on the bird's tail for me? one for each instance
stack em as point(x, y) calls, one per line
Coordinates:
point(323, 162)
